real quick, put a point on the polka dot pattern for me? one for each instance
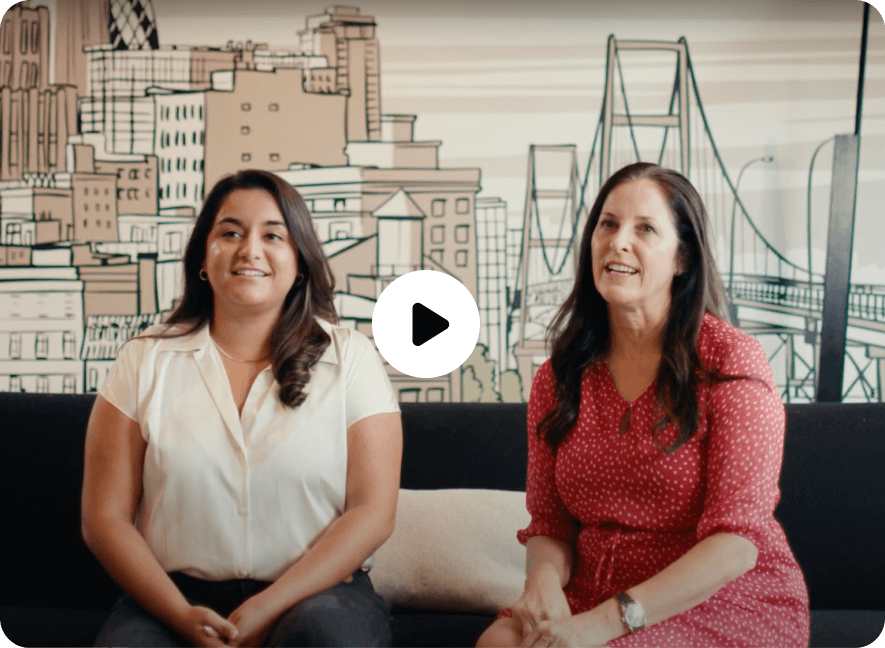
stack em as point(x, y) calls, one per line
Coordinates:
point(632, 510)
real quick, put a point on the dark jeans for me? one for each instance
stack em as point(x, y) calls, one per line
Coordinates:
point(348, 614)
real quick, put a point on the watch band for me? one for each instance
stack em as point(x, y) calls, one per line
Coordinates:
point(632, 612)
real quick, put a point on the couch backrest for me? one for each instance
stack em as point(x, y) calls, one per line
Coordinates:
point(832, 507)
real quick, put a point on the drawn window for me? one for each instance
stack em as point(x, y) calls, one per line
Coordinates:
point(6, 27)
point(339, 204)
point(41, 348)
point(13, 234)
point(244, 130)
point(42, 384)
point(461, 258)
point(69, 386)
point(437, 256)
point(339, 230)
point(462, 206)
point(246, 107)
point(274, 157)
point(273, 107)
point(132, 193)
point(24, 75)
point(194, 137)
point(23, 41)
point(435, 395)
point(15, 346)
point(438, 207)
point(177, 118)
point(172, 243)
point(438, 234)
point(93, 379)
point(15, 384)
point(462, 233)
point(68, 345)
point(409, 395)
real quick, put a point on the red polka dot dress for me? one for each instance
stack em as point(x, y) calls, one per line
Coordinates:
point(631, 510)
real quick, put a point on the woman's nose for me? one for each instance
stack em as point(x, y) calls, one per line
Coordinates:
point(620, 240)
point(250, 247)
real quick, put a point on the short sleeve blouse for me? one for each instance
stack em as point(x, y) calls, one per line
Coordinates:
point(241, 496)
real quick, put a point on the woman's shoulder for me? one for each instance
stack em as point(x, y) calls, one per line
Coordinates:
point(724, 347)
point(346, 343)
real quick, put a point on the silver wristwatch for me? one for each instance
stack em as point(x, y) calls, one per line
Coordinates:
point(632, 612)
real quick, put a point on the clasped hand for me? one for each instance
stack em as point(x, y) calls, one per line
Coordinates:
point(248, 625)
point(544, 615)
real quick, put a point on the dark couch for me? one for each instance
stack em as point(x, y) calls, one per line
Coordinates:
point(833, 509)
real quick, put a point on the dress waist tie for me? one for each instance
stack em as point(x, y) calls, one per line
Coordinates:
point(608, 550)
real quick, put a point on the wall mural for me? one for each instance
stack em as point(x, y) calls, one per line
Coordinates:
point(468, 138)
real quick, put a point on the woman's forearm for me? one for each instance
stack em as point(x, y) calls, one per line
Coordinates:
point(545, 552)
point(685, 583)
point(340, 551)
point(126, 556)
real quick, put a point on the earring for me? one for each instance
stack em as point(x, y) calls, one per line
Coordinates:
point(203, 275)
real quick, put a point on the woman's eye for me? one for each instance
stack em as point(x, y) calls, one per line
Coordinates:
point(648, 229)
point(229, 234)
point(607, 223)
point(275, 237)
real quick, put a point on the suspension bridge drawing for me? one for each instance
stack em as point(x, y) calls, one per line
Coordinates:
point(772, 297)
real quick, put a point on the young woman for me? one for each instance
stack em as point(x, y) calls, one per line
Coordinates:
point(242, 460)
point(655, 447)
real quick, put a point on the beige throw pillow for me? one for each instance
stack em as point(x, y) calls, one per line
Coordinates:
point(454, 550)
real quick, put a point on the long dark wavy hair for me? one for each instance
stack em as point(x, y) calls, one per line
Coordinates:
point(297, 340)
point(580, 333)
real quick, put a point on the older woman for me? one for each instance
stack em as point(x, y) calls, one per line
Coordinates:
point(242, 460)
point(655, 446)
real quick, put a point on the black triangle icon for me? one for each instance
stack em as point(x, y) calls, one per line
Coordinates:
point(426, 324)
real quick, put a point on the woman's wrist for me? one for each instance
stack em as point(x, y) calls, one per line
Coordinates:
point(607, 621)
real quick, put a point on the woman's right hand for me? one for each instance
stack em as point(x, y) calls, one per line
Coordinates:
point(203, 626)
point(542, 600)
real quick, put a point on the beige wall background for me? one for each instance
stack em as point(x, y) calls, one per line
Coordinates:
point(486, 80)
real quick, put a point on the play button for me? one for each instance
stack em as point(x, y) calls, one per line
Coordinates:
point(425, 323)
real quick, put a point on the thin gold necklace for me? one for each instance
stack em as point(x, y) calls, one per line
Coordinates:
point(227, 355)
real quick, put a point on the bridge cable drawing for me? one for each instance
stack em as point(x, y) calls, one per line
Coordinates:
point(772, 296)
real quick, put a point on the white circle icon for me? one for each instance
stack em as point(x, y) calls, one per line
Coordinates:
point(425, 323)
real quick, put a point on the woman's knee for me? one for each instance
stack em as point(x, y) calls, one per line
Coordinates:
point(129, 624)
point(341, 616)
point(503, 632)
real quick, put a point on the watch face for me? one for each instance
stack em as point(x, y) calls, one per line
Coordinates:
point(634, 615)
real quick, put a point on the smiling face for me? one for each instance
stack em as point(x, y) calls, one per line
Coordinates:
point(634, 249)
point(250, 256)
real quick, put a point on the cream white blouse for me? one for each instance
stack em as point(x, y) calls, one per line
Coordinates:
point(229, 496)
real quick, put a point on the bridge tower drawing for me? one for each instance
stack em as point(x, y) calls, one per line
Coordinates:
point(777, 299)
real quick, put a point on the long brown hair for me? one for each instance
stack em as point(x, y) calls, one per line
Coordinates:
point(580, 333)
point(297, 340)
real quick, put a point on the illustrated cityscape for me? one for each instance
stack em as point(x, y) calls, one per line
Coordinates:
point(103, 170)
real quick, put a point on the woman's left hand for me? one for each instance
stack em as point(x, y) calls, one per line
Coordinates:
point(253, 623)
point(570, 632)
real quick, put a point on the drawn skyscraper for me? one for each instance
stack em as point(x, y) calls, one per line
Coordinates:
point(78, 23)
point(133, 25)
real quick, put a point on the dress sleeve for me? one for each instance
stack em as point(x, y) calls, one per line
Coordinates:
point(367, 388)
point(549, 515)
point(746, 445)
point(120, 388)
